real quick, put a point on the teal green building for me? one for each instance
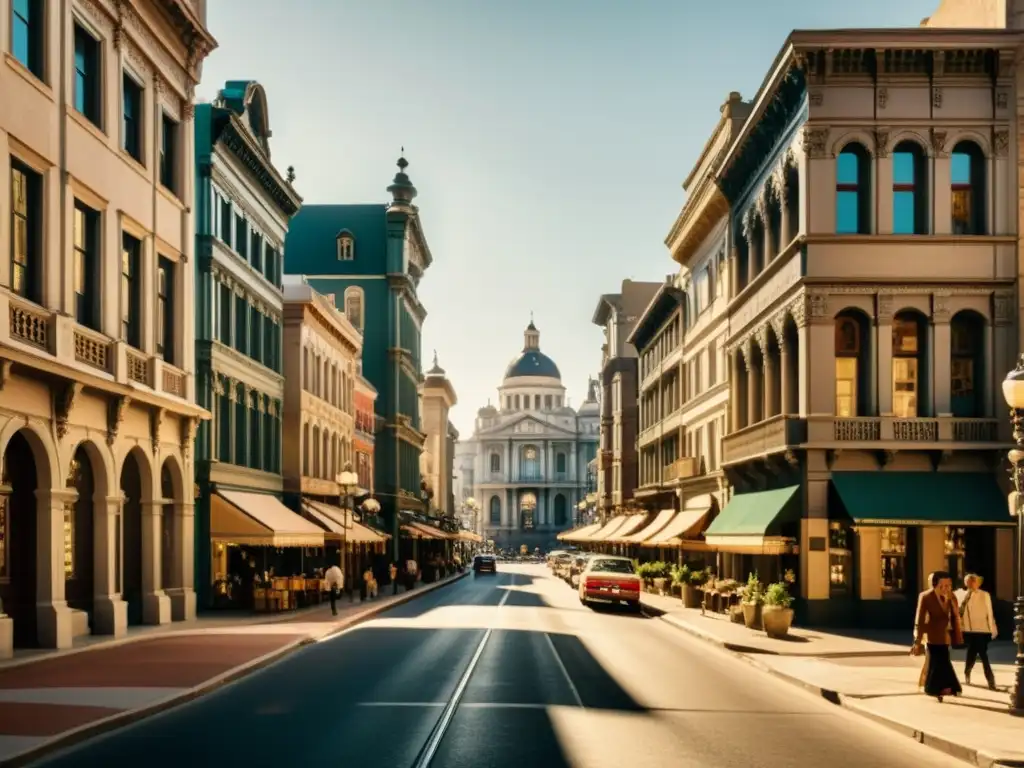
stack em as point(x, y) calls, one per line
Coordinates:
point(371, 259)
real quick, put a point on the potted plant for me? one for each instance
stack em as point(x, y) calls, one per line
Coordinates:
point(692, 595)
point(660, 574)
point(776, 614)
point(753, 600)
point(646, 575)
point(680, 578)
point(725, 589)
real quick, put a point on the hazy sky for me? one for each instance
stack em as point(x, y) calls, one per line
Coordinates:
point(548, 139)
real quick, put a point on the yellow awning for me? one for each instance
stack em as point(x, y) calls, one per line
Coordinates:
point(627, 529)
point(342, 523)
point(259, 520)
point(610, 528)
point(655, 526)
point(421, 531)
point(469, 536)
point(685, 525)
point(579, 534)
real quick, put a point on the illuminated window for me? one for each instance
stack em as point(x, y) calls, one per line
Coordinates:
point(894, 559)
point(967, 171)
point(906, 385)
point(847, 349)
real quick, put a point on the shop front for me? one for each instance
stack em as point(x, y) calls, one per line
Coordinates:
point(350, 543)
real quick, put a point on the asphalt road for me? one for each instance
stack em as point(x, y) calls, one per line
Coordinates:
point(506, 670)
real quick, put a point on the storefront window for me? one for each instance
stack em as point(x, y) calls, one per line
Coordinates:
point(69, 541)
point(894, 559)
point(839, 559)
point(955, 548)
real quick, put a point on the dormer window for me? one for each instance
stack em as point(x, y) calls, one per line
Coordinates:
point(346, 246)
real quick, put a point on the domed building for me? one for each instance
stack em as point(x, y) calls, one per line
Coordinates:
point(526, 463)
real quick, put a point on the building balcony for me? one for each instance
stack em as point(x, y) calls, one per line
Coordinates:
point(680, 469)
point(889, 433)
point(770, 436)
point(56, 338)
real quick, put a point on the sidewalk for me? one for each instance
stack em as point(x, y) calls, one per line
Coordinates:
point(873, 674)
point(53, 701)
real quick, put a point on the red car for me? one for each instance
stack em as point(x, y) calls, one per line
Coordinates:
point(610, 580)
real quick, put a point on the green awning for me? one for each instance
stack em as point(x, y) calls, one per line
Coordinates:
point(922, 498)
point(756, 514)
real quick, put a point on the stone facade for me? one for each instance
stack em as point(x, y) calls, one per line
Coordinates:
point(437, 398)
point(243, 209)
point(616, 462)
point(97, 399)
point(365, 429)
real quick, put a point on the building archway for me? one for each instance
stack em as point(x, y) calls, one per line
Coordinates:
point(132, 491)
point(19, 546)
point(85, 476)
point(561, 512)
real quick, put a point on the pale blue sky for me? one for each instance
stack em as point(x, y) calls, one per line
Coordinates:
point(548, 138)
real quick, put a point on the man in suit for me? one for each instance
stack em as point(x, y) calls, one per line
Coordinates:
point(979, 626)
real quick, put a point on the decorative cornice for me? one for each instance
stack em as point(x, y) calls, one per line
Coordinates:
point(240, 145)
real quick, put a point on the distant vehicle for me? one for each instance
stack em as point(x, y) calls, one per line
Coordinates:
point(610, 580)
point(576, 567)
point(484, 564)
point(560, 564)
point(553, 555)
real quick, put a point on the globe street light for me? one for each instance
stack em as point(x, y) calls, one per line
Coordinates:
point(528, 503)
point(348, 485)
point(1013, 391)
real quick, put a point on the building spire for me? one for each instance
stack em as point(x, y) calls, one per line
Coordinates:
point(531, 337)
point(437, 370)
point(402, 190)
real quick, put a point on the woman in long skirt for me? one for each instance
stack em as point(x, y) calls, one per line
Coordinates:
point(938, 626)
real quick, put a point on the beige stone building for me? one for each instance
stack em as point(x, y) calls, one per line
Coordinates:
point(873, 260)
point(97, 406)
point(321, 353)
point(437, 462)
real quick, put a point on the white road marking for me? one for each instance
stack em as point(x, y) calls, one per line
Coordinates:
point(430, 749)
point(565, 672)
point(402, 704)
point(498, 705)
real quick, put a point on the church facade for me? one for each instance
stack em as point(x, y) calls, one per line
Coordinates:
point(526, 463)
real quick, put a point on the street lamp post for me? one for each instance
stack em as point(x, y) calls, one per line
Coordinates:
point(1013, 391)
point(348, 484)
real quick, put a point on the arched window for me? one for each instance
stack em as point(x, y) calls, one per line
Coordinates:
point(853, 190)
point(909, 185)
point(967, 171)
point(495, 462)
point(346, 246)
point(354, 309)
point(315, 448)
point(495, 510)
point(529, 463)
point(852, 366)
point(560, 463)
point(907, 355)
point(305, 450)
point(966, 367)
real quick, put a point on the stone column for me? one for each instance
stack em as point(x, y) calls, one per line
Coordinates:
point(770, 393)
point(941, 367)
point(53, 617)
point(754, 392)
point(6, 622)
point(156, 606)
point(786, 363)
point(183, 594)
point(883, 354)
point(734, 392)
point(110, 611)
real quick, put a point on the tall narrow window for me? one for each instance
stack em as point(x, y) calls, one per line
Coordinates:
point(88, 74)
point(967, 170)
point(256, 251)
point(224, 426)
point(224, 301)
point(27, 34)
point(131, 284)
point(909, 197)
point(255, 334)
point(226, 220)
point(241, 340)
point(241, 236)
point(255, 435)
point(346, 246)
point(132, 109)
point(165, 310)
point(853, 191)
point(86, 247)
point(354, 306)
point(26, 230)
point(906, 351)
point(967, 343)
point(560, 464)
point(168, 153)
point(847, 347)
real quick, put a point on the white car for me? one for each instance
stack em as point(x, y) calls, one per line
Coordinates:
point(609, 580)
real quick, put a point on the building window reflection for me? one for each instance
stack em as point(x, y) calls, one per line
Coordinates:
point(853, 184)
point(840, 559)
point(955, 552)
point(894, 559)
point(967, 172)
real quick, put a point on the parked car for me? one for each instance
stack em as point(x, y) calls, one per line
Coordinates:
point(560, 565)
point(484, 564)
point(552, 556)
point(577, 566)
point(608, 580)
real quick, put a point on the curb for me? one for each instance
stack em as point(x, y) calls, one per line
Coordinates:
point(128, 717)
point(849, 703)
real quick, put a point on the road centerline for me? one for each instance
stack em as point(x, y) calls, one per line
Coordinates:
point(430, 748)
point(565, 672)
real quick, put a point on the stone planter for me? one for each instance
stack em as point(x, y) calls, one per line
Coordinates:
point(692, 597)
point(752, 615)
point(735, 612)
point(776, 620)
point(659, 585)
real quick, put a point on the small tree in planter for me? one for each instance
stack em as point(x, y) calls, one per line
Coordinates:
point(680, 578)
point(753, 600)
point(660, 573)
point(777, 615)
point(692, 595)
point(725, 589)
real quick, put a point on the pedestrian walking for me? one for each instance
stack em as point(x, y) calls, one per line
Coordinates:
point(979, 626)
point(937, 626)
point(335, 582)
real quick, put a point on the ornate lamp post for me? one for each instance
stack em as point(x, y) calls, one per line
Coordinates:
point(528, 503)
point(1013, 391)
point(370, 507)
point(348, 484)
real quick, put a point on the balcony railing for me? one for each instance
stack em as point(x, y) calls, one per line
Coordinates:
point(30, 324)
point(93, 349)
point(680, 469)
point(766, 437)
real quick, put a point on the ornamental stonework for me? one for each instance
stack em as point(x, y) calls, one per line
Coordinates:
point(1002, 308)
point(1001, 143)
point(815, 141)
point(882, 142)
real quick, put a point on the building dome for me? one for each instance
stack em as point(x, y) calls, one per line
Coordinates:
point(590, 406)
point(531, 361)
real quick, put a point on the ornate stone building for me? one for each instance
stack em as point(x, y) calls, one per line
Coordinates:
point(243, 206)
point(873, 259)
point(437, 397)
point(367, 424)
point(97, 399)
point(528, 467)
